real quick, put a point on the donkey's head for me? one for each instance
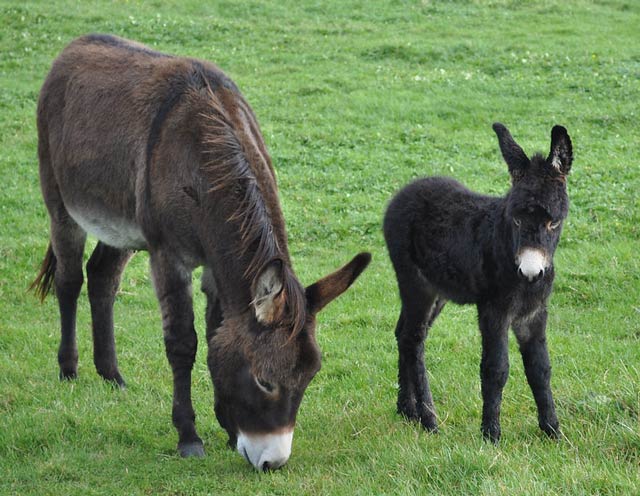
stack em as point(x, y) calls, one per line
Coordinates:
point(262, 361)
point(537, 203)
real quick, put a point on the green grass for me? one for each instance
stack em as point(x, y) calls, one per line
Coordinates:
point(355, 99)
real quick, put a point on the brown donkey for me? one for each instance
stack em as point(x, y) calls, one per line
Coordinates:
point(146, 151)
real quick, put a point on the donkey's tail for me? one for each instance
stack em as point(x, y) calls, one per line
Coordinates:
point(44, 280)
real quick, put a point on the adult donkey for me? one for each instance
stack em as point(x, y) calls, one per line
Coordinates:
point(448, 243)
point(148, 151)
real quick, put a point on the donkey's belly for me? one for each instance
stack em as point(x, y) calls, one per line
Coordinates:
point(115, 231)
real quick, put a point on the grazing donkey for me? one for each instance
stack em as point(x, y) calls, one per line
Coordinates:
point(449, 243)
point(152, 152)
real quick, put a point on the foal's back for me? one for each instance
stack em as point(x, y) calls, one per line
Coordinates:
point(438, 226)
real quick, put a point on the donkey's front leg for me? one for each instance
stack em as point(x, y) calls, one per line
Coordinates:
point(494, 368)
point(173, 286)
point(535, 356)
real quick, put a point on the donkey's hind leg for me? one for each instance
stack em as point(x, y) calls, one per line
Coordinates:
point(104, 269)
point(67, 243)
point(420, 307)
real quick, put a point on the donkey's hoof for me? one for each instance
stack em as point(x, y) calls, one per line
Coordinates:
point(491, 433)
point(68, 374)
point(194, 448)
point(429, 424)
point(552, 431)
point(415, 413)
point(115, 380)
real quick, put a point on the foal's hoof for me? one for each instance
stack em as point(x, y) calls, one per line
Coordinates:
point(115, 380)
point(491, 433)
point(426, 417)
point(195, 449)
point(551, 431)
point(429, 424)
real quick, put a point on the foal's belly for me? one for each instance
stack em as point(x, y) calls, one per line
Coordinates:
point(111, 229)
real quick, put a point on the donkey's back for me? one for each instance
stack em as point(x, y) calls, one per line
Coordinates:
point(438, 225)
point(103, 109)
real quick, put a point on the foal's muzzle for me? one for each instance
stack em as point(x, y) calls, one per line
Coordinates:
point(532, 264)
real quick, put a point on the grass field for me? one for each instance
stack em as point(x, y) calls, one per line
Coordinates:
point(355, 99)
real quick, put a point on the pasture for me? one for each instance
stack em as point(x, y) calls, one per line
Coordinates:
point(354, 100)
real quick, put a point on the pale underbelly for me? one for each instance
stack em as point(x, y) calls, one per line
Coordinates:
point(114, 231)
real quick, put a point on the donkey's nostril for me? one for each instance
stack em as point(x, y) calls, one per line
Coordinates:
point(265, 466)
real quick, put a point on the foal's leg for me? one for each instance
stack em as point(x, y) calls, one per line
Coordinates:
point(67, 243)
point(535, 356)
point(419, 310)
point(173, 287)
point(494, 367)
point(104, 269)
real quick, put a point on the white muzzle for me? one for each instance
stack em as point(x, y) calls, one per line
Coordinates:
point(532, 263)
point(266, 451)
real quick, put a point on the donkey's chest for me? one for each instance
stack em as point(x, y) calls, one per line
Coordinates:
point(524, 303)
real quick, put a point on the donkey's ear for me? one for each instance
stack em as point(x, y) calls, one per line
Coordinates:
point(267, 291)
point(513, 155)
point(330, 287)
point(561, 153)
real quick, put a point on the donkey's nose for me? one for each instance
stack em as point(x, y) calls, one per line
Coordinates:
point(266, 451)
point(274, 464)
point(531, 264)
point(531, 277)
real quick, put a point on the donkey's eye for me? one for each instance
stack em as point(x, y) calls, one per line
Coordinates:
point(264, 386)
point(517, 222)
point(553, 225)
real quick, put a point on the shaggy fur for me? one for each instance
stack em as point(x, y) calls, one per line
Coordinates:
point(449, 243)
point(148, 151)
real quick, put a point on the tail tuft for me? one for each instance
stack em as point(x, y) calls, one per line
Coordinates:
point(44, 280)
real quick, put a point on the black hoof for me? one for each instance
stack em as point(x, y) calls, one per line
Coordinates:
point(115, 379)
point(552, 431)
point(423, 414)
point(68, 374)
point(429, 424)
point(491, 433)
point(195, 449)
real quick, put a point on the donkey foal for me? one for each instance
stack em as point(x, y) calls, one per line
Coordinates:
point(449, 243)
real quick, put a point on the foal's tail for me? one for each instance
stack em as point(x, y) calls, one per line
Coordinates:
point(44, 280)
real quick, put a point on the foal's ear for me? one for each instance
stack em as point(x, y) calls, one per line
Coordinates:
point(561, 153)
point(513, 155)
point(330, 287)
point(267, 291)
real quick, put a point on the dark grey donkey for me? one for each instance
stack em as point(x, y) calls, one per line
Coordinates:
point(449, 243)
point(147, 151)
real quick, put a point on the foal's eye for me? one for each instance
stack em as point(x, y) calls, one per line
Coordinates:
point(517, 222)
point(553, 225)
point(264, 386)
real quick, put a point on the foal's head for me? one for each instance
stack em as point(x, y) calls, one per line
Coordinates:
point(262, 361)
point(537, 203)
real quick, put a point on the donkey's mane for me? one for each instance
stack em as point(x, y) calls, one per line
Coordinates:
point(227, 168)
